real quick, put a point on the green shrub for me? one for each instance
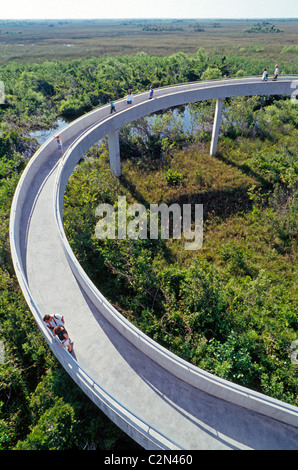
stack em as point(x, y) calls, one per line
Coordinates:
point(173, 177)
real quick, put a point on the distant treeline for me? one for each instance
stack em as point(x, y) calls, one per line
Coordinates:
point(263, 27)
point(162, 28)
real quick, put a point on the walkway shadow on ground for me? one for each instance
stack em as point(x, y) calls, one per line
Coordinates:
point(244, 168)
point(221, 203)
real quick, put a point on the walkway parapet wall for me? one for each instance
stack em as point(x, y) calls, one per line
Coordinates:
point(139, 430)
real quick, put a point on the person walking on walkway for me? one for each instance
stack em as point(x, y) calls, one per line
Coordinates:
point(62, 334)
point(129, 98)
point(53, 320)
point(59, 143)
point(276, 72)
point(150, 93)
point(113, 109)
point(265, 75)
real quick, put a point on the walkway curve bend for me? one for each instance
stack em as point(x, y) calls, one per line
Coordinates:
point(160, 400)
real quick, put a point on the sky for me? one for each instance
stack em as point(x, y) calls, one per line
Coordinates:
point(55, 9)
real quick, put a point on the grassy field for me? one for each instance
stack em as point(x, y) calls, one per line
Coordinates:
point(68, 39)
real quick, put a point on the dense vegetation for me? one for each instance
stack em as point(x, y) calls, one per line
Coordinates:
point(263, 27)
point(229, 308)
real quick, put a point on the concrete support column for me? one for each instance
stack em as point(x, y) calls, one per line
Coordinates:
point(114, 152)
point(216, 125)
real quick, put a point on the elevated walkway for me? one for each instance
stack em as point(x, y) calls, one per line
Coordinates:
point(161, 401)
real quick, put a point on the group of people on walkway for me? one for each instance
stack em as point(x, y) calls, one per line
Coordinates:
point(129, 99)
point(265, 75)
point(55, 323)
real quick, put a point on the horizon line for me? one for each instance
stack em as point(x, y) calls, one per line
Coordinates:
point(151, 18)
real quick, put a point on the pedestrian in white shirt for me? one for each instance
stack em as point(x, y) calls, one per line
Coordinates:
point(265, 75)
point(53, 320)
point(276, 72)
point(129, 98)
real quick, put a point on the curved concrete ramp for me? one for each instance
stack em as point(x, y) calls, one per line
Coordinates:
point(161, 401)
